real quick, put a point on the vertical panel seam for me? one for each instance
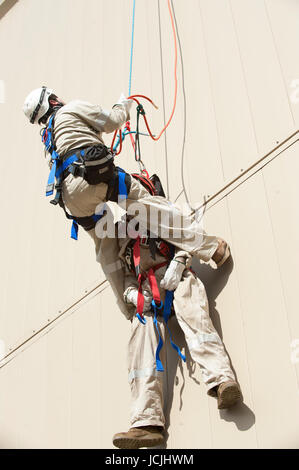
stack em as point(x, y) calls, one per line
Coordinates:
point(217, 131)
point(279, 61)
point(211, 86)
point(163, 100)
point(244, 75)
point(257, 146)
point(184, 109)
point(279, 268)
point(243, 322)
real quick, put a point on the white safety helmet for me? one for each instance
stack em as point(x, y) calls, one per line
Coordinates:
point(37, 104)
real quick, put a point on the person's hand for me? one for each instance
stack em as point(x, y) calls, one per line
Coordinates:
point(173, 275)
point(125, 102)
point(131, 297)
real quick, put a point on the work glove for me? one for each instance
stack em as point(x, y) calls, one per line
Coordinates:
point(125, 102)
point(131, 296)
point(173, 275)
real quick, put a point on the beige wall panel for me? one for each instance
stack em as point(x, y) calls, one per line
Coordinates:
point(264, 315)
point(194, 138)
point(229, 92)
point(9, 406)
point(284, 28)
point(225, 310)
point(115, 404)
point(269, 101)
point(42, 259)
point(68, 388)
point(59, 386)
point(87, 378)
point(226, 313)
point(147, 79)
point(174, 132)
point(186, 402)
point(281, 187)
point(31, 396)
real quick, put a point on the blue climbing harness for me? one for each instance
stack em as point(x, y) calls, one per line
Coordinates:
point(167, 251)
point(85, 163)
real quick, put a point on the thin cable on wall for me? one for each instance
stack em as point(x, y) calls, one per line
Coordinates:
point(140, 108)
point(184, 111)
point(132, 47)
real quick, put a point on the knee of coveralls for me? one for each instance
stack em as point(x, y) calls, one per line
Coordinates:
point(205, 345)
point(81, 198)
point(145, 381)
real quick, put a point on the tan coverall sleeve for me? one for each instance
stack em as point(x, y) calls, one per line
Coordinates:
point(117, 117)
point(100, 119)
point(183, 257)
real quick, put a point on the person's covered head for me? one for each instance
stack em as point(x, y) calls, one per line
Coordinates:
point(40, 104)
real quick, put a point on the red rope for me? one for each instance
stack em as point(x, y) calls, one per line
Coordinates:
point(134, 97)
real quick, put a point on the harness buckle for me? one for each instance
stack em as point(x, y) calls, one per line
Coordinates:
point(77, 169)
point(144, 241)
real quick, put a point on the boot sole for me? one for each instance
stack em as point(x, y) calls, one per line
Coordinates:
point(226, 255)
point(125, 443)
point(229, 397)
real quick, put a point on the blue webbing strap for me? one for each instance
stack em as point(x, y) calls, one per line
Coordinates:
point(122, 188)
point(159, 365)
point(52, 175)
point(47, 140)
point(74, 230)
point(75, 226)
point(166, 314)
point(97, 217)
point(66, 164)
point(51, 179)
point(142, 320)
point(47, 135)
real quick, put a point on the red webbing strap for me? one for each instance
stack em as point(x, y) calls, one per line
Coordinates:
point(154, 286)
point(146, 182)
point(151, 277)
point(136, 258)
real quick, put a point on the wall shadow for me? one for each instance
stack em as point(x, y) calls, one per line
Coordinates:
point(215, 281)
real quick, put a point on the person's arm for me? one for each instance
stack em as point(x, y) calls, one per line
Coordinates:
point(173, 275)
point(119, 114)
point(100, 119)
point(131, 292)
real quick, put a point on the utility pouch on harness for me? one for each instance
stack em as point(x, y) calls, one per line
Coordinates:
point(94, 164)
point(98, 164)
point(152, 184)
point(158, 185)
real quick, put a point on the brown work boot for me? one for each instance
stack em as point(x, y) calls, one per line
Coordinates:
point(228, 394)
point(222, 253)
point(143, 436)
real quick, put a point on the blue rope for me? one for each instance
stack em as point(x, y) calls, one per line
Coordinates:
point(124, 133)
point(132, 46)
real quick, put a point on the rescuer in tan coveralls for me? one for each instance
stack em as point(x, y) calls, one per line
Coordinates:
point(79, 125)
point(192, 312)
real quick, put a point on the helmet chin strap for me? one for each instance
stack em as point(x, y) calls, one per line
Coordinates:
point(51, 110)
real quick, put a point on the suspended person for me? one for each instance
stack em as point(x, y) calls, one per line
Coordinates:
point(153, 269)
point(86, 175)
